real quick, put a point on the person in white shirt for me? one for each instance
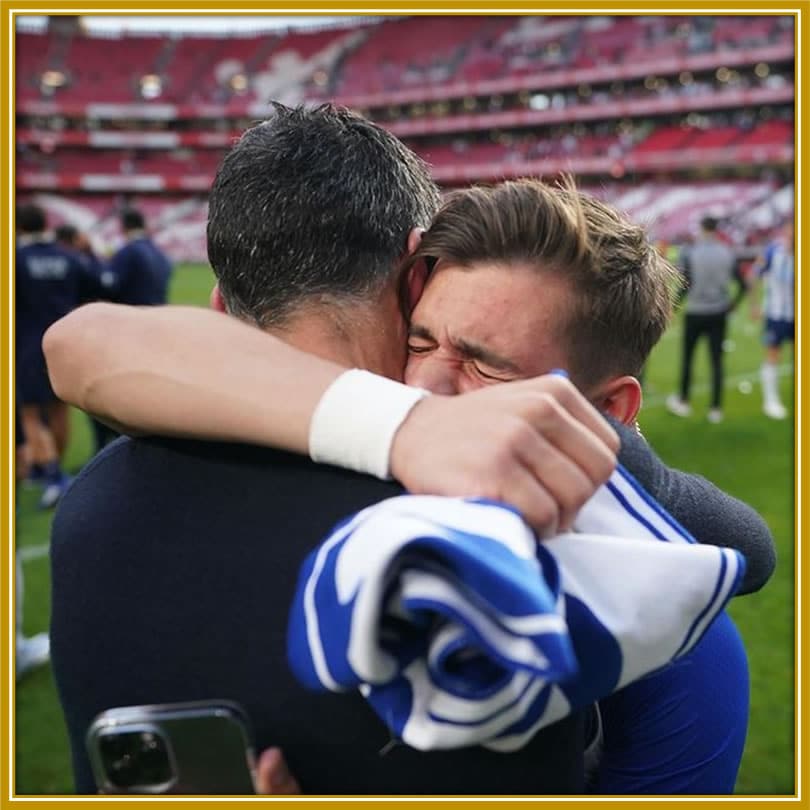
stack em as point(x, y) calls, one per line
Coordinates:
point(775, 271)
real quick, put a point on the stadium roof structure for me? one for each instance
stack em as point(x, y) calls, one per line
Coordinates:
point(199, 24)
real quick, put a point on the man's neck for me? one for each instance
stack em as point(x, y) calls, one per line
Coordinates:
point(354, 337)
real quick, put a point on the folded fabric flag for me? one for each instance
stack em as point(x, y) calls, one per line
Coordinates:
point(460, 629)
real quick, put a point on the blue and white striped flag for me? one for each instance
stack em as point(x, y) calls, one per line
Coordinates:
point(460, 629)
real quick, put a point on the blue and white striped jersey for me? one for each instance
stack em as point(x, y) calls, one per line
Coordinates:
point(460, 629)
point(777, 273)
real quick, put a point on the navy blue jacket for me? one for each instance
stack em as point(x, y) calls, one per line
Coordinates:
point(139, 274)
point(51, 280)
point(174, 564)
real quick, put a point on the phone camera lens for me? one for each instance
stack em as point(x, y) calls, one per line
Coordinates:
point(149, 741)
point(135, 759)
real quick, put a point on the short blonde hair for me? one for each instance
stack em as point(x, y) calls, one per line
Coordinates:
point(622, 287)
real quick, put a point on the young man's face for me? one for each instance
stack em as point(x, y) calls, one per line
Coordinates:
point(485, 325)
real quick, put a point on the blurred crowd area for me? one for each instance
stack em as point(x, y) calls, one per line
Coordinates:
point(671, 118)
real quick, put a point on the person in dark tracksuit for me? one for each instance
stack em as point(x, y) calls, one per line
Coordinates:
point(70, 237)
point(51, 281)
point(709, 267)
point(138, 273)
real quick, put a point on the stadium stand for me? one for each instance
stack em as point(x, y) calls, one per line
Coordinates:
point(670, 117)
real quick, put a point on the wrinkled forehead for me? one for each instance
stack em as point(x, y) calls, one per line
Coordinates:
point(523, 287)
point(469, 290)
point(515, 309)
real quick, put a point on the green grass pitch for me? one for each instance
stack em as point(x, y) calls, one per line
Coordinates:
point(747, 455)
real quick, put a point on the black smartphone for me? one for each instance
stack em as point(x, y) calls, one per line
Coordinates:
point(186, 748)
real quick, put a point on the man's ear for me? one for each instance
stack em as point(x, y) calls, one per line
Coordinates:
point(415, 283)
point(215, 300)
point(414, 240)
point(417, 273)
point(621, 398)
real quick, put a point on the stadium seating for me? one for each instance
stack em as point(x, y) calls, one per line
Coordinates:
point(409, 51)
point(675, 210)
point(712, 138)
point(479, 98)
point(388, 56)
point(770, 132)
point(189, 62)
point(31, 53)
point(664, 139)
point(111, 72)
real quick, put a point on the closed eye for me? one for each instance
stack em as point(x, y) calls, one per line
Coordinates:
point(493, 376)
point(419, 349)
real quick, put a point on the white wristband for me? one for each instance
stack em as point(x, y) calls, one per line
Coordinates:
point(354, 422)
